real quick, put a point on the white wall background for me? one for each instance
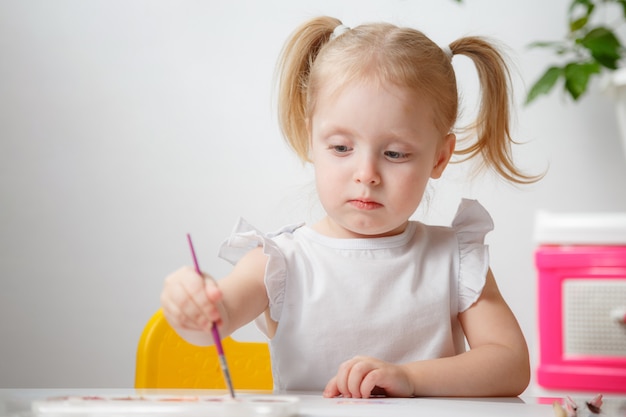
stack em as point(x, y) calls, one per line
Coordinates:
point(126, 124)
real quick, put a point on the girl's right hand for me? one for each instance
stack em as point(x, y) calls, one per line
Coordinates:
point(190, 301)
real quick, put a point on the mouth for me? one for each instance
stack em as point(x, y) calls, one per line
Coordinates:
point(362, 204)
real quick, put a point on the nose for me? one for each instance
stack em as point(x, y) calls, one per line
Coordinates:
point(367, 171)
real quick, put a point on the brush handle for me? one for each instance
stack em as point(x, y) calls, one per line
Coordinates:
point(217, 340)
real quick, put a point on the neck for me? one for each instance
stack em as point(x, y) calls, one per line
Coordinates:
point(328, 227)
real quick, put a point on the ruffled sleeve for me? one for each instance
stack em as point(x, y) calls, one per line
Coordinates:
point(471, 223)
point(243, 239)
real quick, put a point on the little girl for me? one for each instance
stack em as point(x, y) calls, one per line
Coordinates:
point(366, 302)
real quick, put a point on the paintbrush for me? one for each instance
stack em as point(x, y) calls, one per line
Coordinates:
point(216, 334)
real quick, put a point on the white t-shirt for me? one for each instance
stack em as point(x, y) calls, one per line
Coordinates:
point(394, 298)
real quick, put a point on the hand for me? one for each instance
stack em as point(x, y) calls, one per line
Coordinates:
point(190, 301)
point(362, 376)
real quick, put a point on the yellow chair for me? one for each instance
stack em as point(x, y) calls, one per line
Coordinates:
point(165, 360)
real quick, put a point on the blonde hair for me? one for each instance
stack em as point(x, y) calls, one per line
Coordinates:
point(312, 57)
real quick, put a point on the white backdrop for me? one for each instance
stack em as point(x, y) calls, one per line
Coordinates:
point(126, 124)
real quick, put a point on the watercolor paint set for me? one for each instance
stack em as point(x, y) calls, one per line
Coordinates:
point(205, 405)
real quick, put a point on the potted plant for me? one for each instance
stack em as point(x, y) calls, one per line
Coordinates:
point(591, 48)
point(588, 49)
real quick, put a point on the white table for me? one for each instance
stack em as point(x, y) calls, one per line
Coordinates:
point(17, 403)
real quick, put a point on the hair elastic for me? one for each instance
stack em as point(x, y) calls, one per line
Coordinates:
point(446, 50)
point(339, 30)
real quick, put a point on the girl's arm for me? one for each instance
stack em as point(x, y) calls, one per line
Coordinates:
point(497, 363)
point(192, 303)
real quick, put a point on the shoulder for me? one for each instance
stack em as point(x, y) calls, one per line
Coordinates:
point(246, 237)
point(254, 259)
point(472, 219)
point(470, 224)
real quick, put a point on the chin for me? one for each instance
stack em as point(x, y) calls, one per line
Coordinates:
point(379, 231)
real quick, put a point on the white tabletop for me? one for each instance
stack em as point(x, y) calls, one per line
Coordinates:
point(19, 403)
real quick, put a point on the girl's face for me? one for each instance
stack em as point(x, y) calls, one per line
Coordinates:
point(374, 147)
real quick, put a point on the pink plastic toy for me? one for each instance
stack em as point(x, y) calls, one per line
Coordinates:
point(579, 268)
point(581, 263)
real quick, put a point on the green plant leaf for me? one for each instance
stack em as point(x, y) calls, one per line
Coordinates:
point(578, 24)
point(544, 44)
point(559, 47)
point(577, 77)
point(603, 46)
point(544, 84)
point(575, 22)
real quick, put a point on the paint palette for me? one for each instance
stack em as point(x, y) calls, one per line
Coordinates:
point(207, 406)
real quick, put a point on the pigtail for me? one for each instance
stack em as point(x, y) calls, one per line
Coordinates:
point(492, 122)
point(293, 69)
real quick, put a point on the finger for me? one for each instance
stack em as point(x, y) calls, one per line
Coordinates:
point(171, 312)
point(180, 311)
point(195, 286)
point(206, 297)
point(369, 383)
point(214, 295)
point(331, 391)
point(171, 300)
point(341, 379)
point(187, 291)
point(358, 372)
point(185, 298)
point(212, 291)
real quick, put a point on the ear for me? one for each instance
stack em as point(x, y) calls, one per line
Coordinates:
point(444, 153)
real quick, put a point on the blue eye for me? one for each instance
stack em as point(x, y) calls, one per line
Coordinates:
point(340, 148)
point(395, 155)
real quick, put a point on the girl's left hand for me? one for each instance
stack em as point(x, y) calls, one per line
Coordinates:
point(362, 377)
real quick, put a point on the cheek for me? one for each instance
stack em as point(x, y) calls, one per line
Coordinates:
point(413, 174)
point(325, 179)
point(326, 190)
point(413, 183)
point(330, 180)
